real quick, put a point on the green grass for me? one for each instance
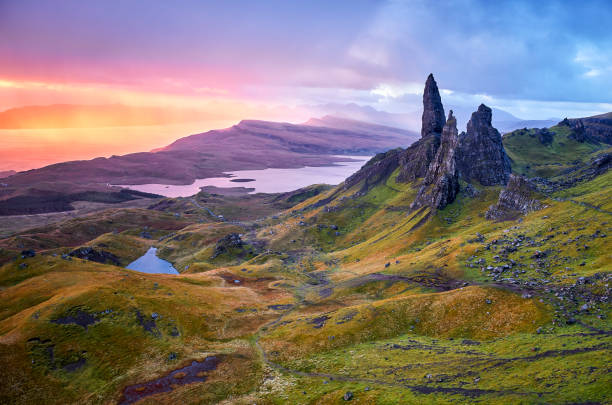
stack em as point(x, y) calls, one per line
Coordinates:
point(322, 306)
point(531, 158)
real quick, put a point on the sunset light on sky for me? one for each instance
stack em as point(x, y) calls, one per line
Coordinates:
point(288, 60)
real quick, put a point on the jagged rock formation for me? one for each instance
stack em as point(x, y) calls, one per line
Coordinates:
point(596, 129)
point(375, 170)
point(577, 127)
point(480, 155)
point(440, 157)
point(416, 159)
point(518, 198)
point(433, 112)
point(441, 183)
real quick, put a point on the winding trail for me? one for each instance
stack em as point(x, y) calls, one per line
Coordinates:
point(197, 204)
point(419, 389)
point(582, 204)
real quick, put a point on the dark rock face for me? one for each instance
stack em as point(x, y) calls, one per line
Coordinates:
point(477, 155)
point(98, 256)
point(518, 198)
point(601, 164)
point(28, 253)
point(578, 131)
point(481, 155)
point(441, 183)
point(595, 129)
point(375, 170)
point(433, 112)
point(415, 160)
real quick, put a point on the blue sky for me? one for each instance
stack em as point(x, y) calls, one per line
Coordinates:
point(535, 59)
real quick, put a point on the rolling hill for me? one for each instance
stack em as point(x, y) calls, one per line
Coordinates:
point(373, 291)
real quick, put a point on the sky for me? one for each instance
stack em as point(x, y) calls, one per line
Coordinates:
point(534, 59)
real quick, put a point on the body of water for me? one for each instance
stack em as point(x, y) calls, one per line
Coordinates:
point(263, 181)
point(150, 263)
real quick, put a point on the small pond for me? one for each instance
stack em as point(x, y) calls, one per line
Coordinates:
point(150, 263)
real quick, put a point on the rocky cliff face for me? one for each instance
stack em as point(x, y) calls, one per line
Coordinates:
point(416, 159)
point(518, 198)
point(596, 129)
point(480, 155)
point(441, 183)
point(441, 156)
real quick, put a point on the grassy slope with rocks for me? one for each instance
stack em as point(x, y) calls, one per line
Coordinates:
point(332, 290)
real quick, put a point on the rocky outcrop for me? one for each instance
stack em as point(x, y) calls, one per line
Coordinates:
point(595, 129)
point(441, 183)
point(480, 155)
point(98, 256)
point(518, 198)
point(415, 161)
point(597, 166)
point(433, 112)
point(377, 169)
point(226, 243)
point(578, 132)
point(441, 157)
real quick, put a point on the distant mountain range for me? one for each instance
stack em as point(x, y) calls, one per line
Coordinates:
point(247, 145)
point(502, 120)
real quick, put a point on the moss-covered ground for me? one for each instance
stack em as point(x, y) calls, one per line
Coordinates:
point(332, 290)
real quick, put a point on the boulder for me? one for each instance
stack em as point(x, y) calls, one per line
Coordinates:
point(28, 253)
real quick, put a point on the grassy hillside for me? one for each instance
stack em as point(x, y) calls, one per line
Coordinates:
point(533, 155)
point(332, 290)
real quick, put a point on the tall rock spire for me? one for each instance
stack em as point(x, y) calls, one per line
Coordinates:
point(481, 155)
point(433, 112)
point(416, 159)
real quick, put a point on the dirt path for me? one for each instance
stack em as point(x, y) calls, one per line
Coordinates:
point(583, 204)
point(197, 204)
point(420, 389)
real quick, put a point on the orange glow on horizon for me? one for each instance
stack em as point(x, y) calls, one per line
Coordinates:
point(69, 121)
